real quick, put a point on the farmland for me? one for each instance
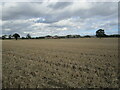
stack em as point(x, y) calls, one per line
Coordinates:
point(55, 63)
point(0, 64)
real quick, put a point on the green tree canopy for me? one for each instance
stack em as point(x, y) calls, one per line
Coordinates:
point(16, 36)
point(4, 37)
point(100, 33)
point(28, 36)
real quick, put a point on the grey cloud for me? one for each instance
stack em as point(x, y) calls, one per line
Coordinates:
point(59, 26)
point(15, 27)
point(52, 13)
point(21, 11)
point(28, 10)
point(60, 5)
point(103, 10)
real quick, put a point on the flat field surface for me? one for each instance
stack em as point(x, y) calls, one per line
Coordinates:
point(52, 63)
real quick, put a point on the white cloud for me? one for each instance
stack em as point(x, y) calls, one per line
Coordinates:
point(7, 29)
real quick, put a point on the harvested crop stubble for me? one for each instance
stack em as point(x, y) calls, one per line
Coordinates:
point(82, 63)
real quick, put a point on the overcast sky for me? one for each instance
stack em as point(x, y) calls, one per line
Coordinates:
point(58, 18)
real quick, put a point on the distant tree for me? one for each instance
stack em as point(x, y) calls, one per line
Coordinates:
point(100, 33)
point(41, 37)
point(23, 37)
point(4, 37)
point(62, 36)
point(16, 36)
point(68, 36)
point(28, 36)
point(48, 36)
point(10, 36)
point(37, 37)
point(56, 37)
point(114, 35)
point(87, 36)
point(77, 36)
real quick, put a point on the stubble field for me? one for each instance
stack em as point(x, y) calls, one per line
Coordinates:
point(54, 63)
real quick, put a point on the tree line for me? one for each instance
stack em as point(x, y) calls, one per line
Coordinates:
point(99, 33)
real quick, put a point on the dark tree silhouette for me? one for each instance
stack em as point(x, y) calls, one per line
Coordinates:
point(28, 36)
point(100, 33)
point(48, 36)
point(23, 38)
point(16, 36)
point(10, 36)
point(68, 36)
point(4, 37)
point(87, 36)
point(77, 36)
